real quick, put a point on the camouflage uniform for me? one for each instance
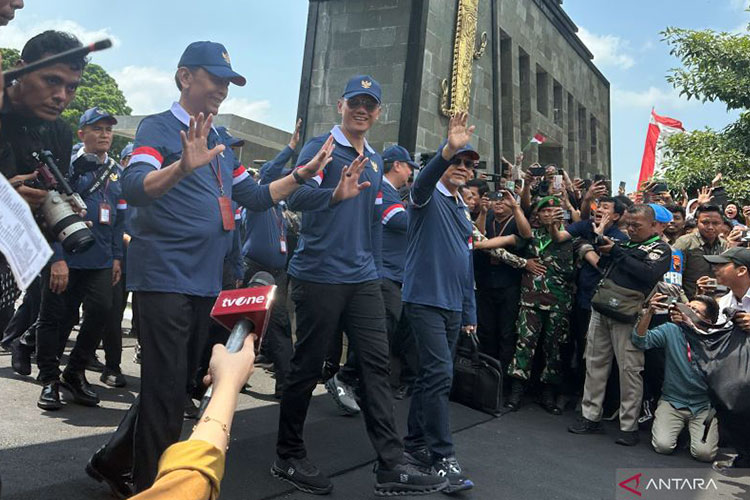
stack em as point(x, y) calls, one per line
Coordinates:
point(545, 306)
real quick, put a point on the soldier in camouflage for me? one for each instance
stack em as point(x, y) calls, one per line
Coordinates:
point(545, 305)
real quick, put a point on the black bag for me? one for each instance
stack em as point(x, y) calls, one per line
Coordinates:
point(477, 377)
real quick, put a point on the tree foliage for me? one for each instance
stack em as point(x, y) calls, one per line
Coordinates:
point(715, 67)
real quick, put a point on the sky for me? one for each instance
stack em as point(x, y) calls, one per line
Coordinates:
point(266, 41)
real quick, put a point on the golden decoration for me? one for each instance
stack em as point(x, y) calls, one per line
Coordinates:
point(457, 96)
point(366, 84)
point(226, 57)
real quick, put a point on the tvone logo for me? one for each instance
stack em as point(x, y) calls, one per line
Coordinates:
point(242, 301)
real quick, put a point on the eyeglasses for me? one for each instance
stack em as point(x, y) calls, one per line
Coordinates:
point(469, 164)
point(368, 103)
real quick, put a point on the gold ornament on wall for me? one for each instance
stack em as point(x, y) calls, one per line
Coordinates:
point(457, 95)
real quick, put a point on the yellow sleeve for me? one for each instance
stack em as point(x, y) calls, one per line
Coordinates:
point(189, 470)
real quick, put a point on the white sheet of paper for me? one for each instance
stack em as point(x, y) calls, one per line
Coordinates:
point(21, 241)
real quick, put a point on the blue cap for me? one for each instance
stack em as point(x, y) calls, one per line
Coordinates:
point(228, 139)
point(398, 153)
point(212, 57)
point(362, 84)
point(93, 115)
point(466, 149)
point(127, 150)
point(661, 214)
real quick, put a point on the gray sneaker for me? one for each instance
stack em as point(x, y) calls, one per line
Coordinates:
point(343, 395)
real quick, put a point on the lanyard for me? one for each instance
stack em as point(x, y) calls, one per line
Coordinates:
point(279, 219)
point(217, 172)
point(631, 244)
point(689, 352)
point(544, 244)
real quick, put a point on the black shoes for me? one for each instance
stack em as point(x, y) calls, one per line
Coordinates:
point(49, 399)
point(302, 474)
point(421, 457)
point(408, 479)
point(113, 378)
point(548, 402)
point(628, 438)
point(343, 395)
point(79, 388)
point(585, 426)
point(516, 395)
point(95, 365)
point(449, 469)
point(117, 482)
point(191, 409)
point(20, 357)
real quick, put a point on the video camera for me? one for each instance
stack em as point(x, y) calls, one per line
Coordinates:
point(62, 221)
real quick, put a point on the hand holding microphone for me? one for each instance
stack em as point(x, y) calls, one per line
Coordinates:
point(231, 370)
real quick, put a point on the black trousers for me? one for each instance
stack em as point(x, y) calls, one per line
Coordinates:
point(571, 352)
point(320, 308)
point(59, 312)
point(277, 341)
point(497, 311)
point(26, 314)
point(171, 326)
point(112, 332)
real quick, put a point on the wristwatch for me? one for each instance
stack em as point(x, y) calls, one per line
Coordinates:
point(300, 180)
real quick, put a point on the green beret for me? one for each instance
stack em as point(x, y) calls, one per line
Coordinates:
point(547, 201)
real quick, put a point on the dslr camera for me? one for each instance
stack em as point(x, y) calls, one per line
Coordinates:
point(62, 221)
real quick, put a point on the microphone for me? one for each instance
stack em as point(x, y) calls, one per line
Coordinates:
point(13, 74)
point(243, 311)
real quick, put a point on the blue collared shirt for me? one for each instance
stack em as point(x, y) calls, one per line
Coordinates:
point(439, 269)
point(340, 243)
point(395, 221)
point(684, 385)
point(178, 242)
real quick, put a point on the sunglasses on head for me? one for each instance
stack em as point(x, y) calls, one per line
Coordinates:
point(470, 164)
point(368, 103)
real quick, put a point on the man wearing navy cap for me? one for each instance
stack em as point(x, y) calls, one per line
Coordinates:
point(438, 296)
point(335, 282)
point(87, 277)
point(182, 180)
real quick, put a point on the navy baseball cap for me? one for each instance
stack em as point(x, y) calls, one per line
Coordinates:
point(398, 153)
point(362, 84)
point(127, 150)
point(661, 214)
point(738, 255)
point(468, 149)
point(212, 57)
point(93, 115)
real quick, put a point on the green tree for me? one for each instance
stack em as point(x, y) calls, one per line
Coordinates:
point(97, 88)
point(715, 67)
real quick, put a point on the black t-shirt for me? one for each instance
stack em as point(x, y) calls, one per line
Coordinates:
point(489, 272)
point(20, 136)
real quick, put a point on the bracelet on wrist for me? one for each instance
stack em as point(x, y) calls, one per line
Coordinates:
point(224, 427)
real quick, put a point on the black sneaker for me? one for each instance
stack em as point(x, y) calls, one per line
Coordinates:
point(191, 409)
point(113, 378)
point(99, 470)
point(302, 474)
point(449, 469)
point(20, 357)
point(343, 395)
point(421, 457)
point(628, 438)
point(407, 479)
point(262, 361)
point(585, 426)
point(94, 365)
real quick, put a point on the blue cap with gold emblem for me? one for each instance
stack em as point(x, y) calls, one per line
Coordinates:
point(212, 57)
point(95, 114)
point(362, 84)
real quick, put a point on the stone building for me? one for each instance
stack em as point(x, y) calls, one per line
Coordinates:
point(533, 76)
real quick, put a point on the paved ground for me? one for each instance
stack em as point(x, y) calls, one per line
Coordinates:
point(519, 456)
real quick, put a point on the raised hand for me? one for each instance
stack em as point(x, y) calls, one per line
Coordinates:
point(195, 152)
point(295, 136)
point(602, 226)
point(349, 186)
point(322, 158)
point(704, 195)
point(459, 134)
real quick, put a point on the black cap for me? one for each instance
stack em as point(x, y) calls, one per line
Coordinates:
point(736, 255)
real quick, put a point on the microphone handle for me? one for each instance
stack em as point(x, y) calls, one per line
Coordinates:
point(234, 343)
point(13, 74)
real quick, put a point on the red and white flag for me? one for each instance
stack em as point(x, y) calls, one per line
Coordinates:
point(538, 139)
point(660, 128)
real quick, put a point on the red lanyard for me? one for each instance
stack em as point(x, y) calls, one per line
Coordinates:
point(217, 172)
point(689, 352)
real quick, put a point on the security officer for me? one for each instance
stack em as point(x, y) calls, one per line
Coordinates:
point(545, 305)
point(182, 180)
point(636, 265)
point(439, 296)
point(265, 248)
point(335, 280)
point(91, 274)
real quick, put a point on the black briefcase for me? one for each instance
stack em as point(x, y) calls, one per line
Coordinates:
point(477, 377)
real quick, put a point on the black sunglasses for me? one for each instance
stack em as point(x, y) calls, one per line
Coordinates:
point(470, 164)
point(368, 103)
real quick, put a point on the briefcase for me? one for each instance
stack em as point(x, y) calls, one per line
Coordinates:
point(477, 377)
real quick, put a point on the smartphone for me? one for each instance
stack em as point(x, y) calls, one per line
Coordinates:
point(586, 184)
point(495, 195)
point(560, 171)
point(537, 171)
point(711, 283)
point(510, 186)
point(622, 185)
point(557, 182)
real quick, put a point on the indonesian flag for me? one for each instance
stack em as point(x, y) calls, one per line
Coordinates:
point(660, 128)
point(538, 139)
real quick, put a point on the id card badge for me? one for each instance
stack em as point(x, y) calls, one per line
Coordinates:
point(282, 244)
point(105, 213)
point(227, 214)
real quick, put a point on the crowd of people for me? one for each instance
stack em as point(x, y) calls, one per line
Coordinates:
point(560, 278)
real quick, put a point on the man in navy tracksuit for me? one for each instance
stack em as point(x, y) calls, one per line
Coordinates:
point(335, 281)
point(91, 274)
point(182, 180)
point(265, 248)
point(439, 296)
